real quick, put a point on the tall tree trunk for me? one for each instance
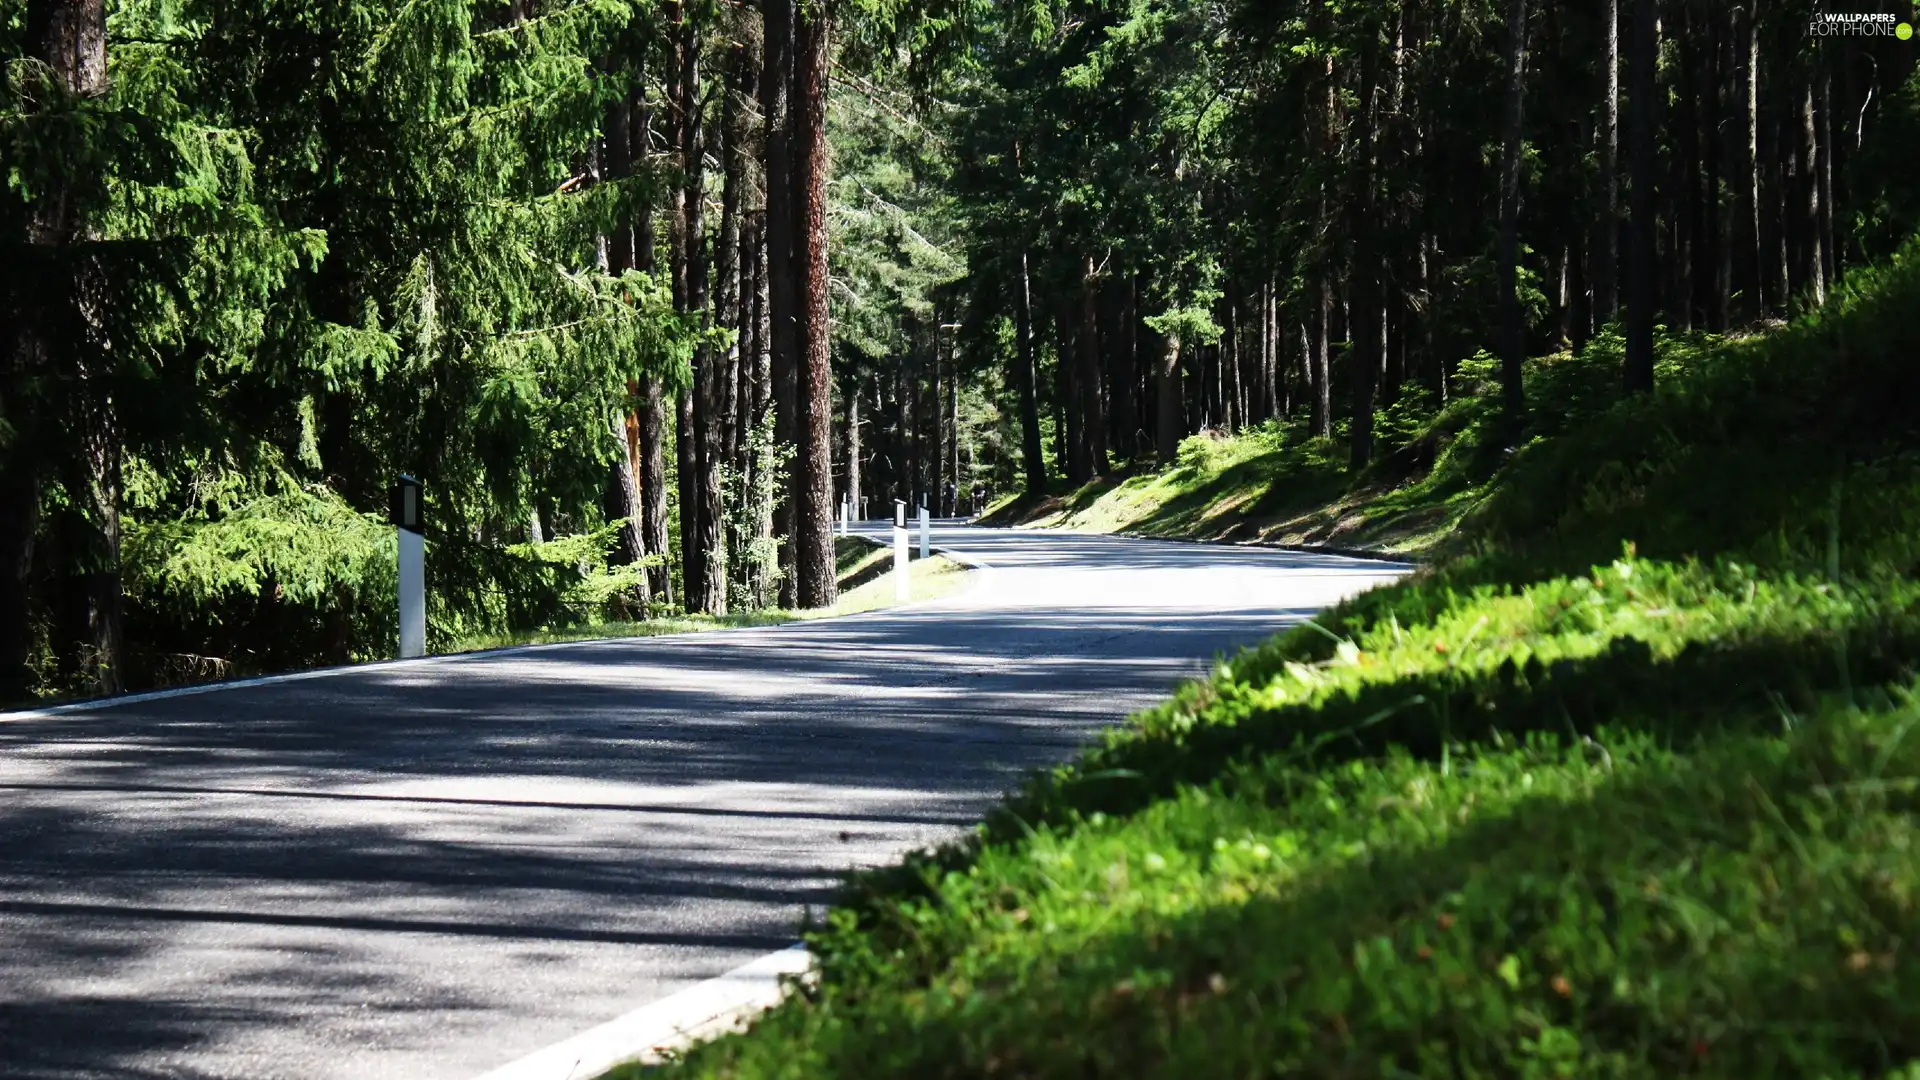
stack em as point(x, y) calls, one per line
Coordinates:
point(1364, 288)
point(1640, 269)
point(646, 426)
point(1814, 247)
point(623, 501)
point(59, 301)
point(1125, 422)
point(1167, 372)
point(1829, 253)
point(1513, 343)
point(853, 444)
point(1710, 273)
point(813, 515)
point(1606, 247)
point(1750, 266)
point(701, 515)
point(1093, 411)
point(1027, 380)
point(952, 506)
point(1075, 461)
point(1320, 363)
point(783, 304)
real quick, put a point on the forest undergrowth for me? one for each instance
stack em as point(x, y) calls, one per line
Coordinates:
point(1620, 784)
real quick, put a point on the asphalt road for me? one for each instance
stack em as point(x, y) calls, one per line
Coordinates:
point(432, 868)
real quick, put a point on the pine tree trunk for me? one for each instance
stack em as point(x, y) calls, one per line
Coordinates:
point(1027, 383)
point(1829, 254)
point(1606, 247)
point(776, 84)
point(952, 499)
point(853, 445)
point(623, 501)
point(1125, 421)
point(1751, 275)
point(1167, 372)
point(1513, 343)
point(1320, 364)
point(813, 513)
point(1363, 292)
point(1093, 413)
point(1640, 269)
point(59, 302)
point(1814, 249)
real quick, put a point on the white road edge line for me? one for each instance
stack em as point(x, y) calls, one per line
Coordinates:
point(672, 1023)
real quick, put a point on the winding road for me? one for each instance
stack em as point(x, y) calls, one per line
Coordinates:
point(430, 869)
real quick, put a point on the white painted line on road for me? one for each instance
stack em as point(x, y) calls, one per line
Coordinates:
point(670, 1024)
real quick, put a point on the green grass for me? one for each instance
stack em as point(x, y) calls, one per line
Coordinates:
point(1624, 784)
point(864, 571)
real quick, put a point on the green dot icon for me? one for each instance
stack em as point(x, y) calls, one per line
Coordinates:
point(1904, 31)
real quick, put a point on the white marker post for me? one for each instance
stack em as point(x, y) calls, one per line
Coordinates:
point(902, 585)
point(409, 523)
point(926, 532)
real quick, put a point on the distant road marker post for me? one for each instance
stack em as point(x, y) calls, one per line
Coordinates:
point(409, 523)
point(926, 532)
point(902, 585)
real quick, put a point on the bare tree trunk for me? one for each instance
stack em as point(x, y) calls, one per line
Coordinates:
point(59, 301)
point(1093, 422)
point(813, 514)
point(1815, 247)
point(1125, 421)
point(952, 500)
point(623, 500)
point(1513, 344)
point(1606, 248)
point(1168, 374)
point(1641, 270)
point(1319, 364)
point(853, 444)
point(776, 84)
point(1829, 254)
point(1026, 380)
point(1751, 276)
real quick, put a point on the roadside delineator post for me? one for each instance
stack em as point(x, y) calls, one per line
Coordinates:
point(902, 587)
point(409, 523)
point(926, 531)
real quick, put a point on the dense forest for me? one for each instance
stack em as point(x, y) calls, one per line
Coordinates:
point(642, 291)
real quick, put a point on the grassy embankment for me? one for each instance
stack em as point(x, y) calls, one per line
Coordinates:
point(1624, 784)
point(864, 569)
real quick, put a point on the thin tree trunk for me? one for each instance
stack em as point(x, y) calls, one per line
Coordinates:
point(1168, 394)
point(1814, 248)
point(1125, 421)
point(813, 513)
point(59, 304)
point(1320, 363)
point(1751, 277)
point(952, 500)
point(1829, 255)
point(776, 84)
point(623, 501)
point(1093, 418)
point(853, 444)
point(1026, 380)
point(1606, 248)
point(1640, 270)
point(1513, 344)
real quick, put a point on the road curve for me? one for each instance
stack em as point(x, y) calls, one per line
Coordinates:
point(428, 869)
